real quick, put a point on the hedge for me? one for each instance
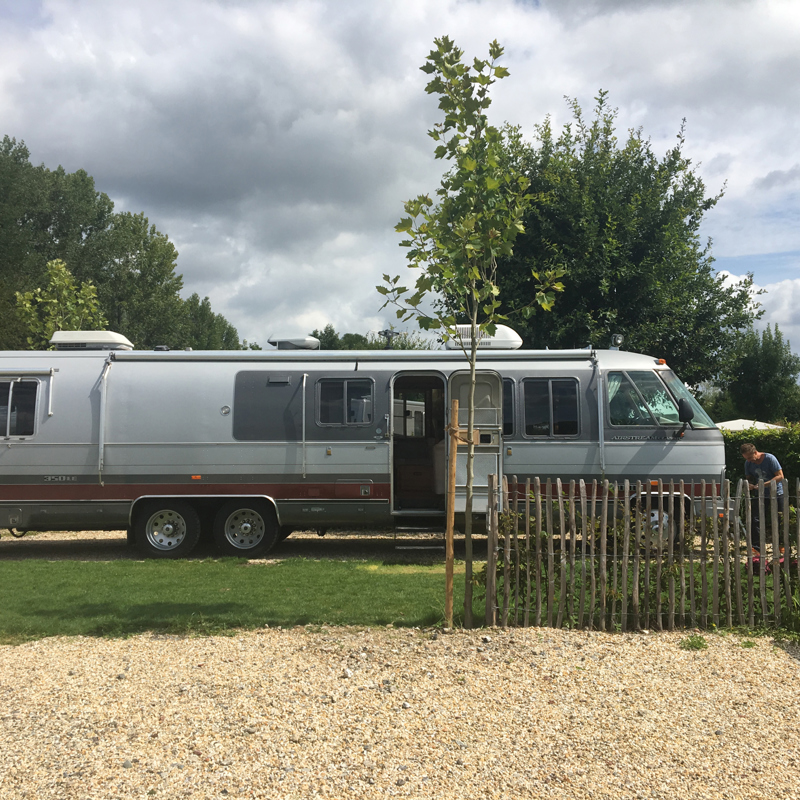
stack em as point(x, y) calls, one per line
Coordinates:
point(783, 443)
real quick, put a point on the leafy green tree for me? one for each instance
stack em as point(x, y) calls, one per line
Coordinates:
point(329, 339)
point(761, 384)
point(61, 305)
point(205, 330)
point(47, 215)
point(456, 241)
point(623, 226)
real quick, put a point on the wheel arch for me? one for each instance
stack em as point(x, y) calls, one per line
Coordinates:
point(216, 499)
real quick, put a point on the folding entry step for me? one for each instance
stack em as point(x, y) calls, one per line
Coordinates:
point(416, 530)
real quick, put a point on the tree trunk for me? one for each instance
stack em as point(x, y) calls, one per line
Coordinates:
point(473, 358)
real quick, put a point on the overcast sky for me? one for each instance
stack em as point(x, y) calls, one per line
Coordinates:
point(275, 142)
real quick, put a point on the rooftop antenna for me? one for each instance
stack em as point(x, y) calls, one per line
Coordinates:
point(389, 334)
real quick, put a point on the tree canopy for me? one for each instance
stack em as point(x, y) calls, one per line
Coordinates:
point(48, 215)
point(761, 382)
point(623, 226)
point(329, 339)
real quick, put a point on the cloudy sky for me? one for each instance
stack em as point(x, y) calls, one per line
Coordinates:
point(274, 141)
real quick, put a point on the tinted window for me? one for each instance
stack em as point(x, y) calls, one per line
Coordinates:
point(345, 402)
point(17, 407)
point(565, 408)
point(551, 407)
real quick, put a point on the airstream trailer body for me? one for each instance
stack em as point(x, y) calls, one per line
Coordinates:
point(256, 444)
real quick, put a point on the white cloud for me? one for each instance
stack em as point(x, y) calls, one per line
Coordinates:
point(275, 141)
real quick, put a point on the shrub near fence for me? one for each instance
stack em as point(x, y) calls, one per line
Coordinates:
point(783, 443)
point(588, 556)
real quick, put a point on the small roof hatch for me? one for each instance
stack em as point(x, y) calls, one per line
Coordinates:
point(90, 340)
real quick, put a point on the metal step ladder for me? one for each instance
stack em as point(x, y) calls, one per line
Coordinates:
point(415, 530)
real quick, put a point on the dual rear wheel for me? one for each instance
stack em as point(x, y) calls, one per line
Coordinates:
point(171, 528)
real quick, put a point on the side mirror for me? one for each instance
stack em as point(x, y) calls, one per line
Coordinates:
point(685, 411)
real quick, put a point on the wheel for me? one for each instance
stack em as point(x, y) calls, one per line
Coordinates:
point(245, 528)
point(166, 529)
point(660, 523)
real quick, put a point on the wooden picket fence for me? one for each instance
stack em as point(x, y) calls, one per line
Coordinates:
point(590, 556)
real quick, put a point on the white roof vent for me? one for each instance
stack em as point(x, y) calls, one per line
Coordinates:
point(504, 339)
point(301, 343)
point(90, 340)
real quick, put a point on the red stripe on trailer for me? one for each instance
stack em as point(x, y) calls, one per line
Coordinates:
point(278, 491)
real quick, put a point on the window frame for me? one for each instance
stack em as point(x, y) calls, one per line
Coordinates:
point(551, 436)
point(5, 425)
point(344, 381)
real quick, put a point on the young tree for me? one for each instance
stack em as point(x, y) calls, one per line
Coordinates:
point(61, 305)
point(761, 384)
point(623, 225)
point(456, 241)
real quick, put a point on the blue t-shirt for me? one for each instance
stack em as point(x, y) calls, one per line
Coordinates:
point(766, 471)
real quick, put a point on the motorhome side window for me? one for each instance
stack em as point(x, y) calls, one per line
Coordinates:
point(17, 407)
point(345, 402)
point(551, 407)
point(639, 398)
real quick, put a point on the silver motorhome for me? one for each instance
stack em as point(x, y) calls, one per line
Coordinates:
point(255, 444)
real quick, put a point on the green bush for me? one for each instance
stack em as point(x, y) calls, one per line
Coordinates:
point(783, 443)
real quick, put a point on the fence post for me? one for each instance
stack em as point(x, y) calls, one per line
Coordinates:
point(715, 566)
point(584, 538)
point(626, 543)
point(762, 561)
point(703, 560)
point(615, 558)
point(659, 552)
point(526, 618)
point(603, 550)
point(515, 484)
point(506, 560)
point(692, 578)
point(538, 493)
point(748, 530)
point(672, 524)
point(551, 574)
point(491, 553)
point(776, 563)
point(787, 560)
point(682, 552)
point(726, 505)
point(737, 548)
point(572, 545)
point(593, 588)
point(562, 587)
point(637, 537)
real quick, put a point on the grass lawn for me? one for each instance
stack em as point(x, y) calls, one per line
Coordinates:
point(117, 598)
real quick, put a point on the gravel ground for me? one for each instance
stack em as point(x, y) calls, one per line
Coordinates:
point(343, 712)
point(407, 713)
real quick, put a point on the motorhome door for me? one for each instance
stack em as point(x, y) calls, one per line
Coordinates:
point(489, 424)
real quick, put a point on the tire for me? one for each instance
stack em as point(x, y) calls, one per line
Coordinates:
point(166, 529)
point(246, 528)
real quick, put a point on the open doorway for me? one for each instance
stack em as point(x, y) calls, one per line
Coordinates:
point(419, 450)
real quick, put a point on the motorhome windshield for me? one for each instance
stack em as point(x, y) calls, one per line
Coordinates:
point(640, 397)
point(701, 419)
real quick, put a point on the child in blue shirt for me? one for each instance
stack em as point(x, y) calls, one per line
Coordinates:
point(761, 466)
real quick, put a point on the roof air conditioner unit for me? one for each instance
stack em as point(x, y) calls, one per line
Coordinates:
point(504, 339)
point(90, 340)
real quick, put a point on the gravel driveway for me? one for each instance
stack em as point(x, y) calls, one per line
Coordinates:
point(340, 712)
